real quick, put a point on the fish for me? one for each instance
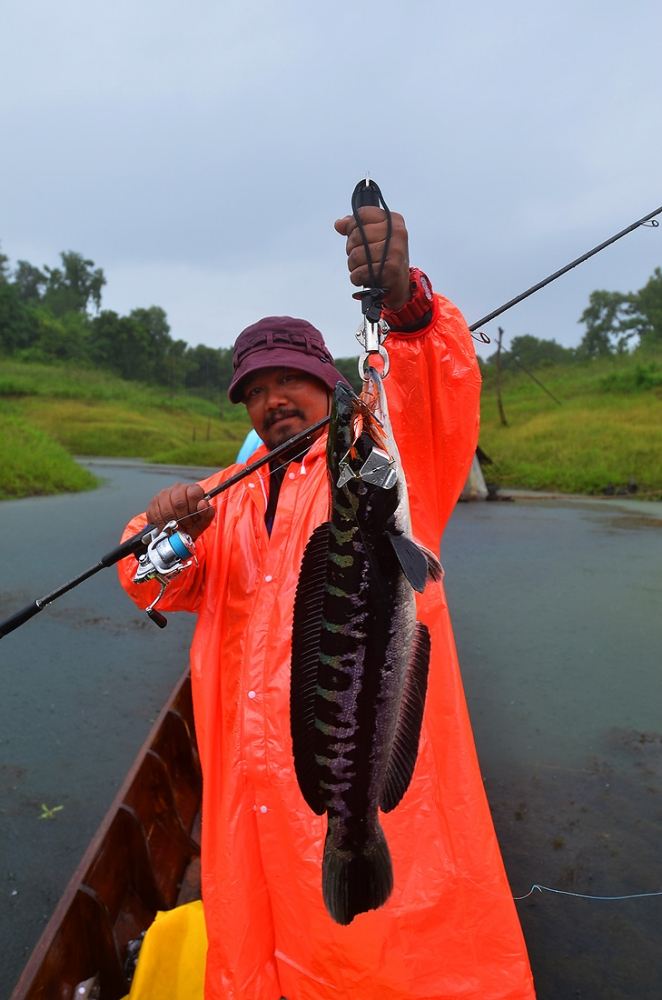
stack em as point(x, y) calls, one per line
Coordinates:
point(359, 656)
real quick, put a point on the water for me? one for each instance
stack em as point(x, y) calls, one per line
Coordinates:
point(556, 609)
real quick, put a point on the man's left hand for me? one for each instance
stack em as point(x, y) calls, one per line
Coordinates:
point(395, 275)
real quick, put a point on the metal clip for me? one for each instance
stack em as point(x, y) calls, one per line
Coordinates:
point(371, 336)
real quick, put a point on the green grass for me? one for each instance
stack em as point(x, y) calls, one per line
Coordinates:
point(87, 412)
point(95, 413)
point(31, 463)
point(607, 430)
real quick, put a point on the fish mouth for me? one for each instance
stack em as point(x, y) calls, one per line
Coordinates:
point(356, 430)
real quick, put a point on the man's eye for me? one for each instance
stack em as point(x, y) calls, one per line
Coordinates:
point(253, 392)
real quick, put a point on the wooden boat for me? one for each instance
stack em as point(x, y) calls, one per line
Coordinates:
point(143, 858)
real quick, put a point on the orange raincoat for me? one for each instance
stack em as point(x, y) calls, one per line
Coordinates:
point(450, 929)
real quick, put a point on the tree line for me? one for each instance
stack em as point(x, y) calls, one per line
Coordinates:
point(55, 313)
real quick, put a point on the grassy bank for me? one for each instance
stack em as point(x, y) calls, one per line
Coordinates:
point(94, 413)
point(32, 463)
point(605, 430)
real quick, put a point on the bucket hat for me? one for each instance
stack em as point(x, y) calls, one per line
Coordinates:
point(282, 342)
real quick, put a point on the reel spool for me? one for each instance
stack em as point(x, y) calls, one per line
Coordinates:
point(168, 553)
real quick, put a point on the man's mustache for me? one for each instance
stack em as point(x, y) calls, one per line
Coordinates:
point(272, 418)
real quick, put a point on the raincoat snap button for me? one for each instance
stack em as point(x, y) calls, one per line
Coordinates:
point(251, 694)
point(290, 475)
point(268, 578)
point(264, 809)
point(251, 486)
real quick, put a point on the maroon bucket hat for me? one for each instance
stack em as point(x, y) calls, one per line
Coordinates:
point(282, 342)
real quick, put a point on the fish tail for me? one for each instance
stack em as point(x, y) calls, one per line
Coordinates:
point(355, 882)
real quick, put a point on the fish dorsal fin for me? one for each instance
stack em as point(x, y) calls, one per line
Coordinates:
point(404, 751)
point(417, 563)
point(306, 627)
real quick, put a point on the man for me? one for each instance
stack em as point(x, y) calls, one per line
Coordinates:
point(449, 929)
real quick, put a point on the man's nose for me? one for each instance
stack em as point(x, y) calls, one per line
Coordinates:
point(276, 397)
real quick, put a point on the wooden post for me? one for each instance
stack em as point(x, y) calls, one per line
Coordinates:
point(502, 415)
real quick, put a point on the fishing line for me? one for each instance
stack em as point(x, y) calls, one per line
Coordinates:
point(583, 895)
point(537, 887)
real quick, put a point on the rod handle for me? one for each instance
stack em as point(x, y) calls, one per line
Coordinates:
point(133, 546)
point(19, 618)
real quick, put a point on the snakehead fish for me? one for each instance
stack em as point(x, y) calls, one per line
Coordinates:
point(359, 657)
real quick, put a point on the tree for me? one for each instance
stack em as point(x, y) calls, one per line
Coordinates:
point(615, 320)
point(608, 324)
point(136, 346)
point(4, 268)
point(74, 286)
point(535, 352)
point(174, 364)
point(17, 323)
point(29, 281)
point(64, 338)
point(114, 344)
point(648, 310)
point(152, 341)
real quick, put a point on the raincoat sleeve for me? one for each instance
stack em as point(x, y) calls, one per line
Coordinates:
point(184, 592)
point(434, 400)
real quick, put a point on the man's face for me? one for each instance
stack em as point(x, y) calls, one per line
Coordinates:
point(282, 402)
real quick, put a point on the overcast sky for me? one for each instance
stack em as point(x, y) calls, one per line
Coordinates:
point(200, 153)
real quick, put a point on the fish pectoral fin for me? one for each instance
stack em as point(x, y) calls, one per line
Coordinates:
point(435, 569)
point(404, 751)
point(412, 560)
point(417, 563)
point(306, 629)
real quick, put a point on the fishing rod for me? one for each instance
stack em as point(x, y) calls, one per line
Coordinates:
point(163, 553)
point(564, 270)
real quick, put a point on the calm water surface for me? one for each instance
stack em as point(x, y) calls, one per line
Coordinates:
point(557, 618)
